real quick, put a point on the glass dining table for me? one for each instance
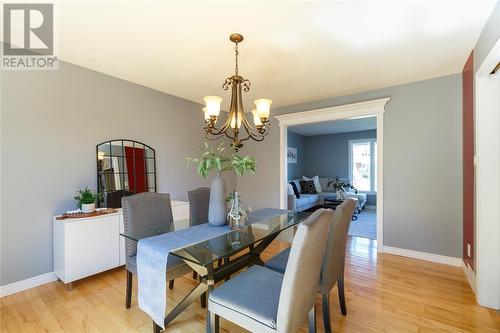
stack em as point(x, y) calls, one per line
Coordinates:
point(233, 251)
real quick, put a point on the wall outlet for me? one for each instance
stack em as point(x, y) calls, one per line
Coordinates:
point(468, 250)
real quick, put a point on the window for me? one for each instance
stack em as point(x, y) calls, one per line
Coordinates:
point(363, 164)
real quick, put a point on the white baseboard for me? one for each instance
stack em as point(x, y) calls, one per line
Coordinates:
point(18, 286)
point(424, 256)
point(370, 207)
point(470, 275)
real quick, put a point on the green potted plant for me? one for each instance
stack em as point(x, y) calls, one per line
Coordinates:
point(340, 187)
point(220, 160)
point(86, 199)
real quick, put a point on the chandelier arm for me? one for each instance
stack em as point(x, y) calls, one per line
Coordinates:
point(222, 129)
point(230, 137)
point(213, 138)
point(246, 124)
point(254, 136)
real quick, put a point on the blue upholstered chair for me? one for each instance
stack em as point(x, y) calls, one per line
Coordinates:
point(332, 271)
point(141, 211)
point(262, 300)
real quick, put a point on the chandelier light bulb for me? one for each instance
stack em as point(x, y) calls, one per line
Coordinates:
point(256, 118)
point(212, 104)
point(233, 121)
point(205, 113)
point(263, 107)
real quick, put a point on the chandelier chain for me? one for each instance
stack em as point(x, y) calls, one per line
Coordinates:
point(236, 57)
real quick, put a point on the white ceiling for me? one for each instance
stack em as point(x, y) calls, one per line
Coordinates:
point(335, 126)
point(293, 51)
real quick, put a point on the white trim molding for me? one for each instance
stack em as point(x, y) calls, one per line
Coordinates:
point(372, 142)
point(437, 258)
point(487, 180)
point(349, 111)
point(470, 275)
point(33, 282)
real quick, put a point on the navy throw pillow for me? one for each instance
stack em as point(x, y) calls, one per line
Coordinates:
point(295, 190)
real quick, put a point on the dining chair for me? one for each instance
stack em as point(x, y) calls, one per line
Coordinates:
point(332, 270)
point(199, 200)
point(114, 199)
point(145, 210)
point(262, 300)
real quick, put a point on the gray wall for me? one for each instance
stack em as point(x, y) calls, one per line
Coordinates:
point(328, 155)
point(51, 123)
point(296, 170)
point(422, 163)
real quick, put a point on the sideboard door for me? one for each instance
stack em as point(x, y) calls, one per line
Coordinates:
point(92, 246)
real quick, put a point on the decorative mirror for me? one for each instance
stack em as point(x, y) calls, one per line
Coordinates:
point(124, 167)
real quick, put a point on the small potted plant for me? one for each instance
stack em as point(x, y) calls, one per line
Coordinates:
point(340, 187)
point(86, 199)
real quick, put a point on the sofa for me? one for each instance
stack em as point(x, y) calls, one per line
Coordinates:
point(307, 201)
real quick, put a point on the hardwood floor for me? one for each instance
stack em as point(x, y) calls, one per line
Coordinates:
point(385, 293)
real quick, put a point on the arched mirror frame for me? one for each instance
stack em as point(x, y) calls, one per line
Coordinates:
point(118, 181)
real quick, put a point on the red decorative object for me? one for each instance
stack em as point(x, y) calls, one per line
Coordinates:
point(468, 161)
point(136, 169)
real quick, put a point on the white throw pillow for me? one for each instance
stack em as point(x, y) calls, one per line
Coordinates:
point(315, 179)
point(290, 189)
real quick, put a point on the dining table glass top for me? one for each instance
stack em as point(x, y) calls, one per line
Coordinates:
point(225, 245)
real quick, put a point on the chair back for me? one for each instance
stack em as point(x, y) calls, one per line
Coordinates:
point(114, 199)
point(301, 278)
point(145, 210)
point(334, 260)
point(199, 200)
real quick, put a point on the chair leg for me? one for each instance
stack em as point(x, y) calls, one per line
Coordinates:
point(195, 275)
point(128, 297)
point(171, 284)
point(214, 322)
point(340, 284)
point(203, 301)
point(326, 313)
point(312, 320)
point(156, 328)
point(226, 262)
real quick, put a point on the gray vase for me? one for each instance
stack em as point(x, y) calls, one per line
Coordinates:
point(217, 205)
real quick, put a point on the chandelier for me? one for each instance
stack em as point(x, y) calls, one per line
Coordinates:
point(236, 127)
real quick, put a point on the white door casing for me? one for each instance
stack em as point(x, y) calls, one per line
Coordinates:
point(349, 111)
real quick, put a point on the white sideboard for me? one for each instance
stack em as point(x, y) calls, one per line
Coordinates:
point(87, 246)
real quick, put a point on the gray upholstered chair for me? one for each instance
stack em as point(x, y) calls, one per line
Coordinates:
point(199, 200)
point(141, 211)
point(262, 300)
point(332, 271)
